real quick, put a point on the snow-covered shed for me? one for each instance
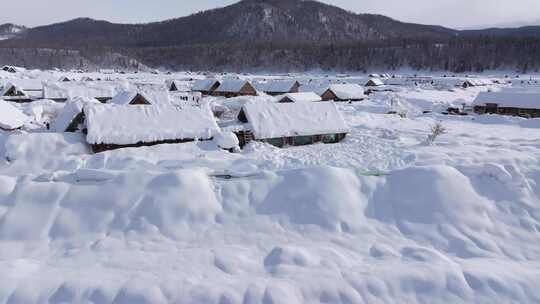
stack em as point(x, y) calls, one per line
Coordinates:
point(11, 118)
point(508, 103)
point(12, 69)
point(71, 117)
point(174, 85)
point(476, 82)
point(142, 98)
point(235, 87)
point(62, 91)
point(280, 87)
point(292, 124)
point(344, 92)
point(205, 86)
point(374, 82)
point(299, 97)
point(12, 92)
point(120, 126)
point(64, 79)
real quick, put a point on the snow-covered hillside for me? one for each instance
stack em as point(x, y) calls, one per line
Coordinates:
point(382, 217)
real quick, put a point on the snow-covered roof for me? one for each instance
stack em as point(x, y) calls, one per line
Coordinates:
point(509, 99)
point(70, 110)
point(124, 125)
point(278, 86)
point(153, 97)
point(301, 97)
point(272, 120)
point(478, 82)
point(66, 90)
point(375, 82)
point(204, 84)
point(11, 117)
point(348, 91)
point(7, 87)
point(231, 85)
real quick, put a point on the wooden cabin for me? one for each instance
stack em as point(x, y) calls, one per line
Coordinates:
point(344, 92)
point(154, 97)
point(374, 82)
point(299, 97)
point(112, 127)
point(206, 86)
point(14, 93)
point(291, 124)
point(62, 91)
point(508, 103)
point(476, 82)
point(280, 87)
point(235, 88)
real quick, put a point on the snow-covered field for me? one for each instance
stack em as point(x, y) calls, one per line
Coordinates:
point(382, 217)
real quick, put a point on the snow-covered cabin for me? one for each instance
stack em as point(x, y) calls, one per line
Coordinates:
point(12, 69)
point(205, 86)
point(235, 87)
point(476, 82)
point(374, 82)
point(177, 85)
point(299, 97)
point(11, 118)
point(62, 91)
point(71, 117)
point(64, 79)
point(115, 126)
point(291, 124)
point(344, 92)
point(280, 87)
point(142, 98)
point(12, 92)
point(508, 103)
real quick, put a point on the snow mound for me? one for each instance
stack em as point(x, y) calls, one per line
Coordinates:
point(10, 117)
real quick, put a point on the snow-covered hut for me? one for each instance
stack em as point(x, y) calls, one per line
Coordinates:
point(235, 87)
point(344, 92)
point(374, 82)
point(142, 98)
point(292, 124)
point(205, 86)
point(12, 92)
point(299, 97)
point(508, 103)
point(71, 117)
point(280, 87)
point(62, 91)
point(11, 118)
point(120, 126)
point(476, 82)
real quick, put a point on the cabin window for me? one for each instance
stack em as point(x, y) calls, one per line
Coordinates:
point(278, 142)
point(303, 140)
point(329, 138)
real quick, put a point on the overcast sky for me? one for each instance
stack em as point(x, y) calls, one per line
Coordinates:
point(451, 13)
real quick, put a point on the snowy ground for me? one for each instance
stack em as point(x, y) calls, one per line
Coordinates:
point(382, 217)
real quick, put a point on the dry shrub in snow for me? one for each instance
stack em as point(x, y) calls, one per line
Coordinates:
point(436, 130)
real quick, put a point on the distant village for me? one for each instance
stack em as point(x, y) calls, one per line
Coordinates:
point(117, 110)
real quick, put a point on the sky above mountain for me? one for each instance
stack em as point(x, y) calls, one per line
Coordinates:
point(451, 13)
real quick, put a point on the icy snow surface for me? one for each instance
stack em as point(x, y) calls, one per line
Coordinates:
point(381, 217)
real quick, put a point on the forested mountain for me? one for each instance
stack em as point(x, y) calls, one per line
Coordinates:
point(289, 35)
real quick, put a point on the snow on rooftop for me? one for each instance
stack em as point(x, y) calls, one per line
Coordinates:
point(124, 125)
point(301, 97)
point(153, 97)
point(7, 87)
point(70, 110)
point(272, 120)
point(375, 82)
point(231, 85)
point(66, 90)
point(348, 91)
point(278, 86)
point(11, 117)
point(204, 84)
point(509, 99)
